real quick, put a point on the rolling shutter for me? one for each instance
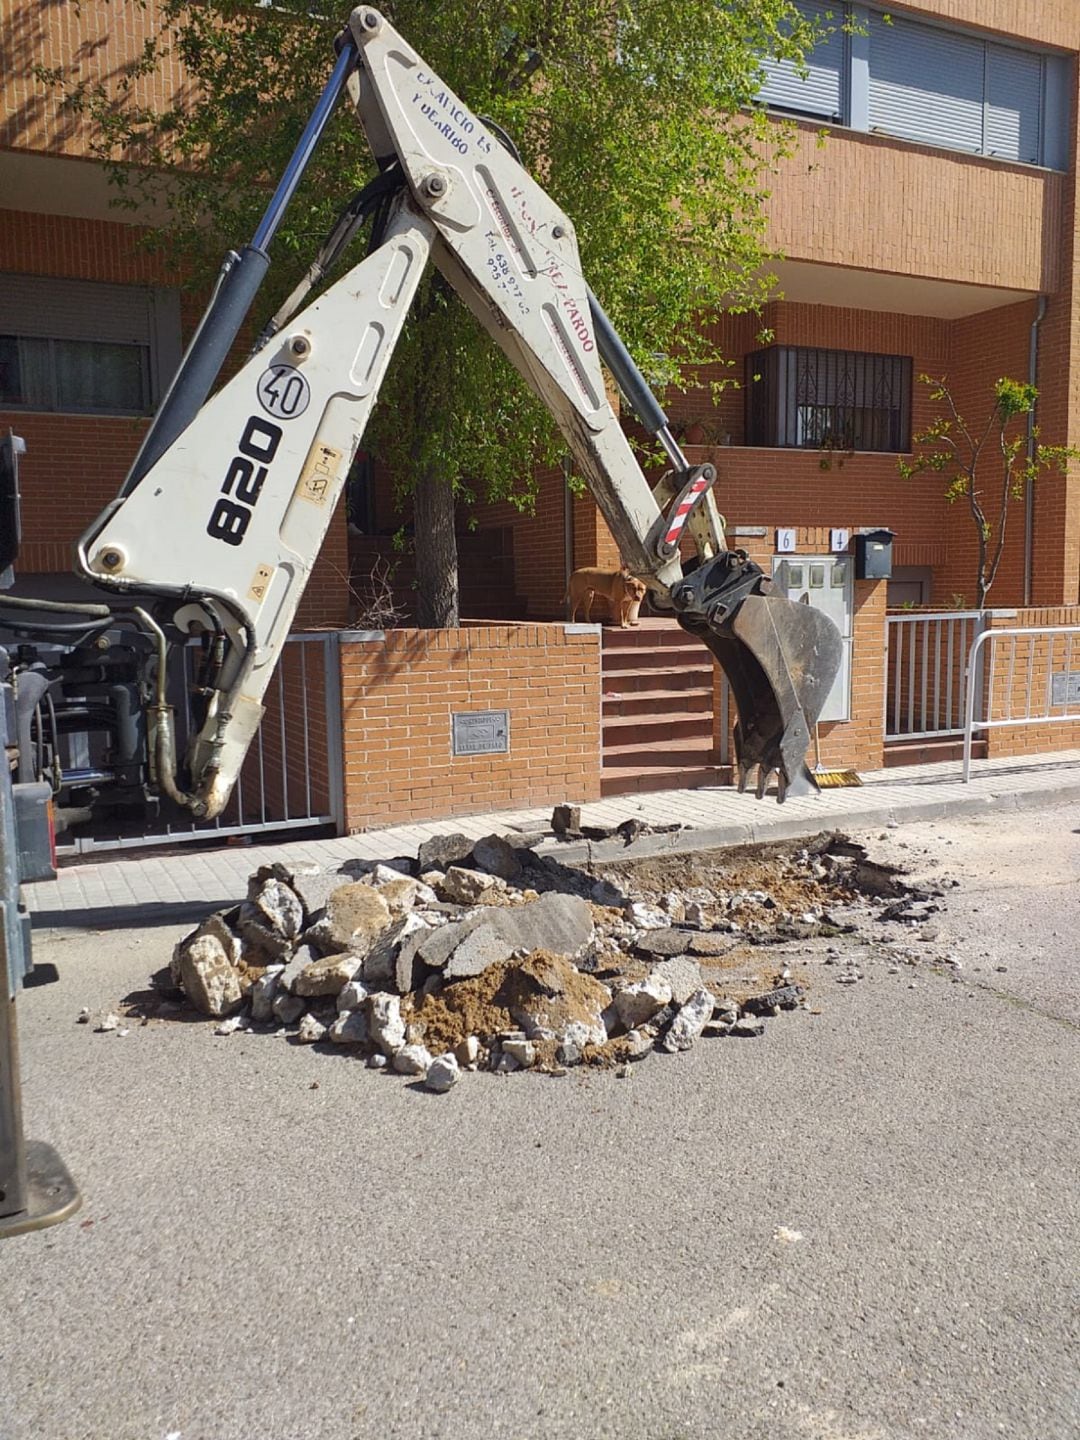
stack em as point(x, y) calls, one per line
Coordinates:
point(821, 91)
point(1014, 101)
point(75, 309)
point(926, 84)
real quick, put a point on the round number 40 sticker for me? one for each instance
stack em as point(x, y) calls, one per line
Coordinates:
point(283, 392)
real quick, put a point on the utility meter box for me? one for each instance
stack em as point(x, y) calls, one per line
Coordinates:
point(873, 555)
point(827, 583)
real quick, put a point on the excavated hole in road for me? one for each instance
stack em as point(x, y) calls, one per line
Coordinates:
point(724, 938)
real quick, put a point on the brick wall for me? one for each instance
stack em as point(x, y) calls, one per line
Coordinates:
point(398, 692)
point(869, 202)
point(101, 39)
point(1017, 674)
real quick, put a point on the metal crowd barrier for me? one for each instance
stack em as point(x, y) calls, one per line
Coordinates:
point(1031, 683)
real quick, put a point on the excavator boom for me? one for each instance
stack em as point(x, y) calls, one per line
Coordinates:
point(221, 518)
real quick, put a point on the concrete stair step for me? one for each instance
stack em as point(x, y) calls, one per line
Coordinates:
point(619, 703)
point(653, 635)
point(660, 679)
point(683, 753)
point(640, 658)
point(662, 777)
point(659, 731)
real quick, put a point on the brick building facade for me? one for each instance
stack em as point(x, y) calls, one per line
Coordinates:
point(934, 231)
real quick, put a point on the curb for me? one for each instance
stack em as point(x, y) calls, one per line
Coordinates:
point(726, 837)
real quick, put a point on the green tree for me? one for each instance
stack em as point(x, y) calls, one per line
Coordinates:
point(986, 467)
point(639, 118)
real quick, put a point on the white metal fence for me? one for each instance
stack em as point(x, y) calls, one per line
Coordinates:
point(926, 673)
point(292, 777)
point(1025, 676)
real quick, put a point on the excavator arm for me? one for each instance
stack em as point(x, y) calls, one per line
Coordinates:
point(222, 516)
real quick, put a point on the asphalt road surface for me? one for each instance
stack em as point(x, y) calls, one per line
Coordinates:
point(863, 1226)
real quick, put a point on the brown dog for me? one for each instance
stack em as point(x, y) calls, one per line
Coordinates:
point(619, 587)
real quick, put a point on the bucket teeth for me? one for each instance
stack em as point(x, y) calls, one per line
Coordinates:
point(780, 660)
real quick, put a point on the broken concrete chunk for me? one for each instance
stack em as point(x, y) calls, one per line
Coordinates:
point(747, 1027)
point(483, 945)
point(442, 851)
point(380, 963)
point(664, 944)
point(263, 992)
point(262, 944)
point(206, 972)
point(280, 907)
point(314, 887)
point(377, 1061)
point(356, 914)
point(682, 975)
point(645, 917)
point(442, 1073)
point(695, 914)
point(350, 1028)
point(305, 955)
point(575, 1037)
point(605, 893)
point(497, 856)
point(638, 1003)
point(467, 887)
point(566, 820)
point(403, 894)
point(784, 997)
point(672, 904)
point(467, 1051)
point(352, 996)
point(311, 1030)
point(385, 1022)
point(638, 1043)
point(218, 928)
point(411, 1060)
point(555, 923)
point(523, 1051)
point(287, 1008)
point(107, 1022)
point(328, 975)
point(690, 1021)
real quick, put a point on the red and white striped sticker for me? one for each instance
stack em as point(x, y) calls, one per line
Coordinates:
point(686, 504)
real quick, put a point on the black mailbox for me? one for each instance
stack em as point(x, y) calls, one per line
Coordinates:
point(873, 555)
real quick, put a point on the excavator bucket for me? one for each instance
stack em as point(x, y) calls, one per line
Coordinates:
point(780, 660)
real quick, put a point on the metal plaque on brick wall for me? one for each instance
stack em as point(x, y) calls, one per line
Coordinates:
point(1065, 688)
point(480, 732)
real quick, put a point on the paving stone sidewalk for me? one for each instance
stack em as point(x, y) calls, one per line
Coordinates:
point(158, 888)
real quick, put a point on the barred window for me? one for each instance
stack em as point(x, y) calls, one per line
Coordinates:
point(803, 398)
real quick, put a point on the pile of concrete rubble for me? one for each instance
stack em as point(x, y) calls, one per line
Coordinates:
point(481, 955)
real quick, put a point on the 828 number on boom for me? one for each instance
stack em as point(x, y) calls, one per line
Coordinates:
point(244, 480)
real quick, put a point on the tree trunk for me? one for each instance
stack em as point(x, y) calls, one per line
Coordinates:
point(435, 547)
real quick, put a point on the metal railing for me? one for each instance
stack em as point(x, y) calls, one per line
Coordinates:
point(1032, 684)
point(926, 673)
point(292, 776)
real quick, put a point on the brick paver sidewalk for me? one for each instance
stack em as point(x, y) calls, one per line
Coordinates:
point(151, 887)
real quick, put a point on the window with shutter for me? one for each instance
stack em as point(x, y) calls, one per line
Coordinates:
point(931, 84)
point(86, 347)
point(926, 84)
point(820, 91)
point(1014, 103)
